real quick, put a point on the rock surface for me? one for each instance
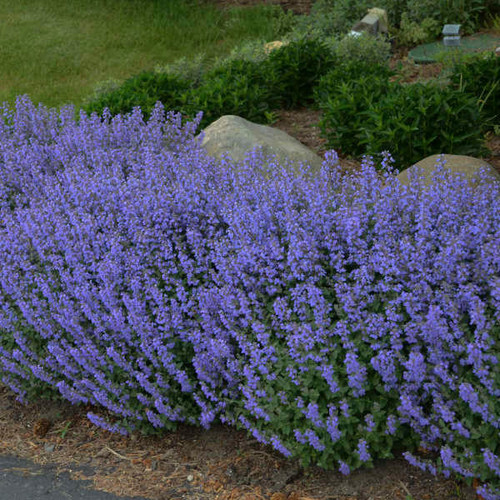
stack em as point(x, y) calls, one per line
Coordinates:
point(237, 137)
point(270, 46)
point(374, 22)
point(466, 165)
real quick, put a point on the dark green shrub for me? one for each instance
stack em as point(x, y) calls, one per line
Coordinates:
point(480, 77)
point(415, 121)
point(343, 99)
point(237, 88)
point(343, 94)
point(296, 68)
point(370, 115)
point(142, 90)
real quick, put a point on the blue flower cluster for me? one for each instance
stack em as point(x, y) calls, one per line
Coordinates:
point(334, 317)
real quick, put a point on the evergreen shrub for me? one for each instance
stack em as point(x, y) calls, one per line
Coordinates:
point(335, 318)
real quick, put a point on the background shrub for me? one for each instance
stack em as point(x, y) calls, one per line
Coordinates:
point(480, 77)
point(413, 20)
point(190, 70)
point(143, 90)
point(343, 95)
point(371, 114)
point(468, 13)
point(251, 87)
point(365, 48)
point(331, 18)
point(295, 69)
point(411, 33)
point(236, 88)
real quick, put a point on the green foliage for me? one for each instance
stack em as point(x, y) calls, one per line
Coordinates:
point(493, 23)
point(412, 21)
point(252, 50)
point(283, 22)
point(480, 78)
point(468, 13)
point(143, 90)
point(331, 18)
point(295, 69)
point(364, 48)
point(343, 95)
point(251, 88)
point(370, 114)
point(411, 33)
point(237, 88)
point(191, 69)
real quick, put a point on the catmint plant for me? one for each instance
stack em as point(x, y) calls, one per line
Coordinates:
point(336, 318)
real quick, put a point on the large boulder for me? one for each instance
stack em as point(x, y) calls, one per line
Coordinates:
point(466, 165)
point(236, 137)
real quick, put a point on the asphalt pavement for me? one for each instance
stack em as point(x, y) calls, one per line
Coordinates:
point(23, 480)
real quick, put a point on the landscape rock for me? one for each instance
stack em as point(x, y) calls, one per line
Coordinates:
point(456, 163)
point(270, 46)
point(237, 137)
point(374, 22)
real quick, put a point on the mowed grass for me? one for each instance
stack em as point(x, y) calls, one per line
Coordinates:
point(56, 51)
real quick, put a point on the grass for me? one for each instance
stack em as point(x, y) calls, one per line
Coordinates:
point(56, 51)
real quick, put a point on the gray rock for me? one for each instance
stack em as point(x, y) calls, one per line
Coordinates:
point(237, 137)
point(456, 163)
point(369, 23)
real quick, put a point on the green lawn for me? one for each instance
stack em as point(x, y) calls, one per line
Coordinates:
point(58, 50)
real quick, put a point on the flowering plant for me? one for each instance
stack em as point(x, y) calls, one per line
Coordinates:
point(336, 318)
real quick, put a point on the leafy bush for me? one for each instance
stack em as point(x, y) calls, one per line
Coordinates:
point(237, 88)
point(143, 90)
point(480, 77)
point(371, 114)
point(468, 13)
point(365, 48)
point(251, 87)
point(411, 33)
point(253, 51)
point(336, 318)
point(295, 69)
point(344, 94)
point(190, 70)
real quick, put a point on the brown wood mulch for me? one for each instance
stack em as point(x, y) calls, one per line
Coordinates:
point(192, 463)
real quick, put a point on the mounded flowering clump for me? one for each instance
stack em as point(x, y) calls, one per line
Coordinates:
point(337, 319)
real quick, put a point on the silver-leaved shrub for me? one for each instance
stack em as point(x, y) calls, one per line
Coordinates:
point(336, 318)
